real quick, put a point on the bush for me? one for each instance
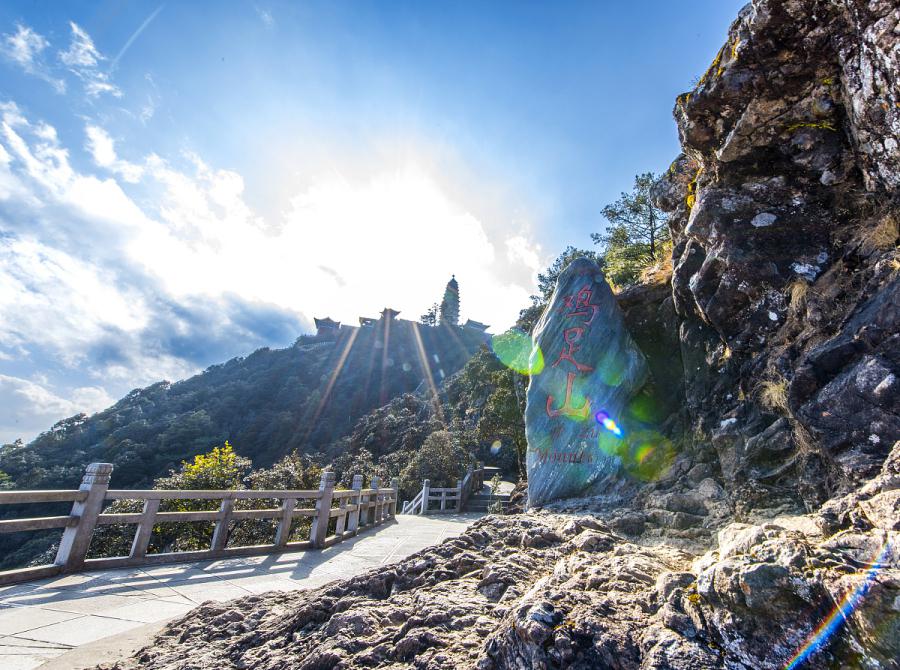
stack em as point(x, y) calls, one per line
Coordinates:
point(219, 470)
point(441, 459)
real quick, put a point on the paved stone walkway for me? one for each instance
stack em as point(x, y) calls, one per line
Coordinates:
point(60, 621)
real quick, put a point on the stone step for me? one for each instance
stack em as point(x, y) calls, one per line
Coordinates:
point(484, 496)
point(482, 503)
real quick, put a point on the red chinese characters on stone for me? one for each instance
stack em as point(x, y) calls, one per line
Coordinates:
point(567, 408)
point(572, 336)
point(578, 305)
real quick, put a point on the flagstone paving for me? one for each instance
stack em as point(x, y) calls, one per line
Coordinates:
point(59, 621)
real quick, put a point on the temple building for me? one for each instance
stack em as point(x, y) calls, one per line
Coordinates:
point(448, 315)
point(327, 327)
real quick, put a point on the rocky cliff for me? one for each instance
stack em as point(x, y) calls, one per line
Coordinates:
point(784, 216)
point(773, 539)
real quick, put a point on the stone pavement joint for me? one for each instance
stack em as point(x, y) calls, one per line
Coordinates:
point(63, 618)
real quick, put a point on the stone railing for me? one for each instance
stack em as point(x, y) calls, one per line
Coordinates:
point(351, 511)
point(456, 496)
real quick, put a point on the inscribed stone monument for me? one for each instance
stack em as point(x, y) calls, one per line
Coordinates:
point(574, 419)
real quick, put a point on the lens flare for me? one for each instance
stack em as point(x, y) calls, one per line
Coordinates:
point(646, 407)
point(612, 368)
point(495, 447)
point(608, 423)
point(516, 351)
point(842, 611)
point(643, 452)
point(645, 455)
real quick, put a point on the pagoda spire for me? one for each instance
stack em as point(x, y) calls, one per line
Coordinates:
point(450, 304)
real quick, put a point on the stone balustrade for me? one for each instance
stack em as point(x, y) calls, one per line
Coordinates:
point(448, 499)
point(335, 515)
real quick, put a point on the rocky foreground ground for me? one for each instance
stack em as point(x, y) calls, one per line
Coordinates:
point(553, 590)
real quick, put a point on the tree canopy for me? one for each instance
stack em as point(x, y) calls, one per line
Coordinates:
point(637, 236)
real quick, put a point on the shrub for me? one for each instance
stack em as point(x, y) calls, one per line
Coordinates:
point(441, 459)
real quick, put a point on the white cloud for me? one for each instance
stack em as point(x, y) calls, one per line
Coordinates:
point(389, 236)
point(30, 406)
point(83, 59)
point(44, 171)
point(59, 301)
point(520, 249)
point(103, 150)
point(152, 100)
point(265, 16)
point(121, 292)
point(24, 47)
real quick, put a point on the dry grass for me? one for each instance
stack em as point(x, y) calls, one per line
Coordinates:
point(803, 439)
point(882, 236)
point(773, 395)
point(661, 271)
point(797, 291)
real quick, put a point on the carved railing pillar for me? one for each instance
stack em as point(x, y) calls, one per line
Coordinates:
point(76, 538)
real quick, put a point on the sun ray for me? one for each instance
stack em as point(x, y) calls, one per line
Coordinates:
point(382, 389)
point(426, 370)
point(334, 375)
point(841, 612)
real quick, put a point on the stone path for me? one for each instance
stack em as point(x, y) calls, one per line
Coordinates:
point(78, 620)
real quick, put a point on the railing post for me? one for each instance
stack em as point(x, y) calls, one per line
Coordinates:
point(341, 522)
point(323, 510)
point(220, 534)
point(426, 491)
point(353, 521)
point(459, 495)
point(395, 485)
point(283, 534)
point(144, 528)
point(76, 539)
point(374, 519)
point(443, 500)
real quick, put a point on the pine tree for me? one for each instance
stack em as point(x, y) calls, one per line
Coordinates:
point(430, 318)
point(637, 235)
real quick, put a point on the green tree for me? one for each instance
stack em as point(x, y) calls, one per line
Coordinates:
point(6, 481)
point(503, 418)
point(293, 472)
point(489, 398)
point(430, 318)
point(637, 235)
point(547, 283)
point(220, 469)
point(442, 459)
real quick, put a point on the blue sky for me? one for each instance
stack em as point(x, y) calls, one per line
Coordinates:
point(181, 183)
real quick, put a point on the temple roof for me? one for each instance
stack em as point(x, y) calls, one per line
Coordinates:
point(477, 325)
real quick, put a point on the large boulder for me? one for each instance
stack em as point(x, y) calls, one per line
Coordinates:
point(586, 374)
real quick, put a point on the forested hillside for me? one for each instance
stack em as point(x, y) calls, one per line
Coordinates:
point(267, 404)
